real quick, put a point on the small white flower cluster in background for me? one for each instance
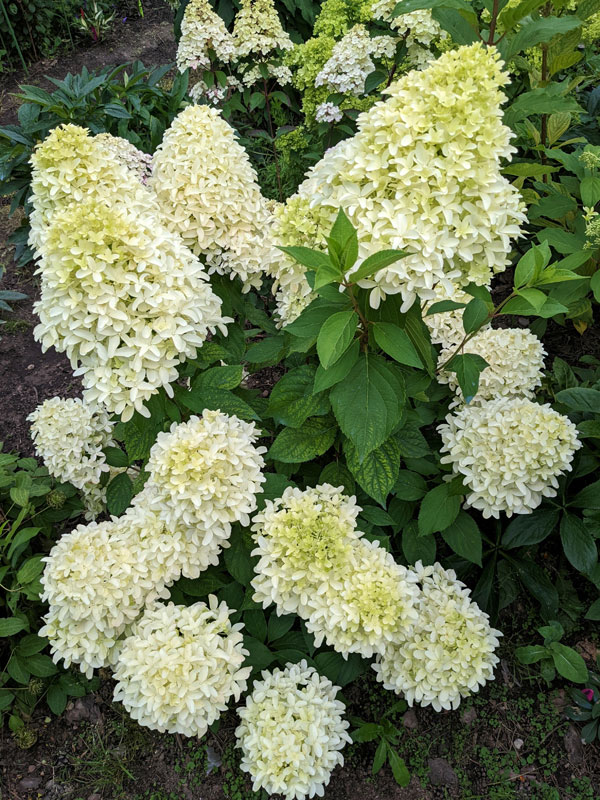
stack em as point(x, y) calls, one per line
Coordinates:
point(510, 451)
point(328, 112)
point(180, 666)
point(257, 30)
point(292, 732)
point(418, 28)
point(202, 29)
point(209, 195)
point(203, 476)
point(352, 594)
point(121, 295)
point(351, 60)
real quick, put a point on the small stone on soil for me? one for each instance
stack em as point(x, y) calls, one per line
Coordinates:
point(441, 773)
point(409, 720)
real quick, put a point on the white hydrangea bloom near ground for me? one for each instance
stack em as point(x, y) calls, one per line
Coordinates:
point(302, 540)
point(450, 652)
point(446, 327)
point(510, 451)
point(205, 474)
point(516, 364)
point(257, 30)
point(124, 299)
point(137, 161)
point(371, 603)
point(418, 28)
point(328, 112)
point(96, 583)
point(180, 666)
point(351, 60)
point(203, 29)
point(292, 732)
point(69, 436)
point(70, 166)
point(208, 193)
point(422, 174)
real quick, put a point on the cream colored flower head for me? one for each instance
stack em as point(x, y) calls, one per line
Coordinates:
point(209, 195)
point(370, 603)
point(450, 652)
point(446, 327)
point(510, 452)
point(257, 30)
point(202, 29)
point(180, 666)
point(292, 732)
point(515, 358)
point(418, 29)
point(124, 299)
point(423, 174)
point(206, 473)
point(352, 60)
point(69, 436)
point(302, 540)
point(135, 160)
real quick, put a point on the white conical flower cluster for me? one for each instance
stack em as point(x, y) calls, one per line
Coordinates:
point(257, 30)
point(292, 732)
point(352, 60)
point(208, 194)
point(417, 28)
point(423, 175)
point(202, 29)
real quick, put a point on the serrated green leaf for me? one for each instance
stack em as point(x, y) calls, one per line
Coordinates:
point(11, 625)
point(464, 537)
point(228, 377)
point(578, 543)
point(119, 494)
point(468, 367)
point(326, 378)
point(439, 508)
point(335, 337)
point(378, 471)
point(568, 662)
point(296, 445)
point(375, 262)
point(396, 343)
point(530, 529)
point(293, 399)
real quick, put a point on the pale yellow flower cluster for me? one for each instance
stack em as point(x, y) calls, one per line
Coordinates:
point(418, 28)
point(180, 666)
point(257, 30)
point(292, 732)
point(209, 195)
point(510, 451)
point(423, 175)
point(202, 29)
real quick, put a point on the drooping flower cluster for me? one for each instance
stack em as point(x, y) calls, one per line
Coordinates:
point(510, 452)
point(515, 358)
point(292, 732)
point(450, 653)
point(204, 475)
point(180, 666)
point(351, 60)
point(422, 174)
point(418, 28)
point(69, 436)
point(99, 578)
point(257, 30)
point(312, 561)
point(202, 29)
point(124, 299)
point(209, 194)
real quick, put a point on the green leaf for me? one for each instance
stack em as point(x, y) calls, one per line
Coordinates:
point(41, 666)
point(530, 266)
point(218, 400)
point(279, 626)
point(30, 570)
point(412, 442)
point(409, 486)
point(267, 351)
point(378, 471)
point(511, 14)
point(380, 756)
point(335, 337)
point(555, 206)
point(56, 699)
point(590, 191)
point(442, 306)
point(588, 498)
point(326, 378)
point(256, 624)
point(531, 654)
point(273, 487)
point(17, 669)
point(345, 237)
point(594, 611)
point(464, 537)
point(438, 510)
point(568, 662)
point(237, 558)
point(292, 400)
point(31, 644)
point(326, 274)
point(309, 323)
point(537, 582)
point(220, 377)
point(419, 335)
point(11, 625)
point(474, 315)
point(468, 367)
point(138, 441)
point(22, 536)
point(367, 732)
point(535, 32)
point(296, 445)
point(578, 543)
point(399, 769)
point(549, 100)
point(313, 259)
point(395, 342)
point(461, 31)
point(338, 669)
point(580, 399)
point(337, 474)
point(259, 656)
point(119, 494)
point(115, 457)
point(416, 547)
point(528, 529)
point(368, 403)
point(375, 262)
point(373, 80)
